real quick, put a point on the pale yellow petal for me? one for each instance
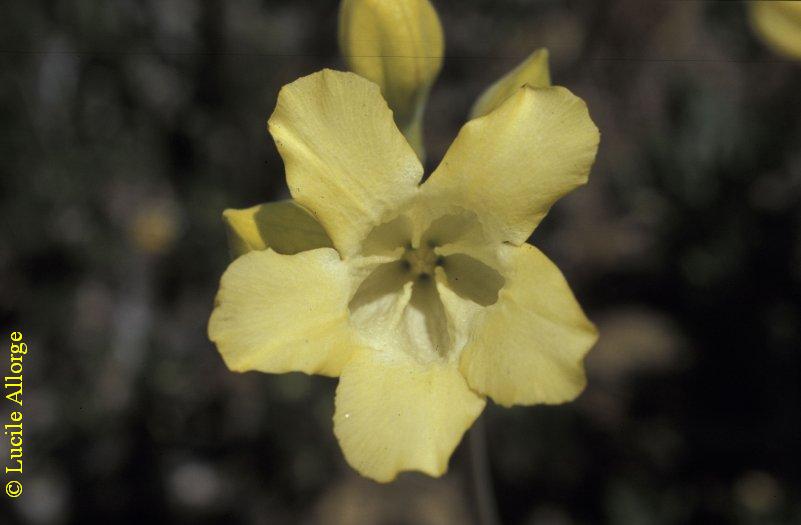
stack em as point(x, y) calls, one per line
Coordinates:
point(283, 226)
point(533, 71)
point(511, 165)
point(392, 313)
point(346, 162)
point(529, 346)
point(284, 313)
point(460, 314)
point(398, 45)
point(779, 25)
point(394, 414)
point(465, 285)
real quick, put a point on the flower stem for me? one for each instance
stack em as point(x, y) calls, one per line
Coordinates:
point(480, 478)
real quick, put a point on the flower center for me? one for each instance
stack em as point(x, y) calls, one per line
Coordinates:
point(423, 296)
point(421, 262)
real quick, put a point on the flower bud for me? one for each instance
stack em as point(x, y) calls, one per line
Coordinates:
point(398, 44)
point(533, 71)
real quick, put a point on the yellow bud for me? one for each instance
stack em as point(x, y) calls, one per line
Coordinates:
point(398, 44)
point(533, 71)
point(779, 26)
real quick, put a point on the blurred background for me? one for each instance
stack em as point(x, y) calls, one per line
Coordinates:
point(128, 126)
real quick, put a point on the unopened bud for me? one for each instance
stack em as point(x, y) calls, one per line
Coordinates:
point(533, 71)
point(398, 44)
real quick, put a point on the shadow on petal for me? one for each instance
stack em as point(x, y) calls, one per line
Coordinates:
point(473, 280)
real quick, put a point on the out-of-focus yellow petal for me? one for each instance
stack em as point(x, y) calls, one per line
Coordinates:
point(395, 414)
point(346, 162)
point(528, 347)
point(511, 165)
point(533, 71)
point(284, 313)
point(154, 228)
point(398, 45)
point(283, 226)
point(779, 25)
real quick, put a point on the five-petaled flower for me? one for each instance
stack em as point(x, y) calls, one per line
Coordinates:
point(422, 298)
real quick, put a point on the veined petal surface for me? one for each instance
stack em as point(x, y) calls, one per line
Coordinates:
point(284, 313)
point(511, 165)
point(528, 347)
point(346, 162)
point(395, 414)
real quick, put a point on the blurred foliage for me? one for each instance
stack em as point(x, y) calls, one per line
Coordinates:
point(129, 126)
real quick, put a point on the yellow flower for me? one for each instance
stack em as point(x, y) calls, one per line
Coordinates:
point(779, 25)
point(423, 299)
point(399, 45)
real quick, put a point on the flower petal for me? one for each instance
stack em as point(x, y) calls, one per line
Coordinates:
point(779, 25)
point(392, 313)
point(345, 159)
point(533, 71)
point(284, 313)
point(283, 226)
point(528, 347)
point(511, 165)
point(395, 414)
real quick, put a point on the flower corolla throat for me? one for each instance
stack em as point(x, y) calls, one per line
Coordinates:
point(423, 287)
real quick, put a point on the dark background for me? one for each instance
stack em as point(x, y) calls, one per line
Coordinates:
point(128, 126)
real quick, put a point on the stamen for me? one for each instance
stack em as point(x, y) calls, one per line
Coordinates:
point(420, 260)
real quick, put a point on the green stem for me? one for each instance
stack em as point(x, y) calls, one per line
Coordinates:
point(480, 478)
